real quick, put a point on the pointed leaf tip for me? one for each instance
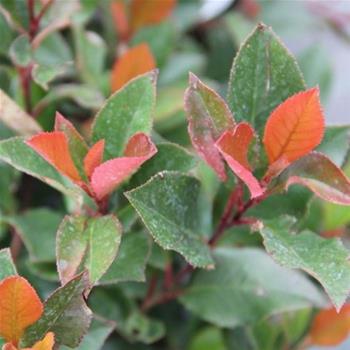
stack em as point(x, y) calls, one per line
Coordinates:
point(94, 157)
point(53, 147)
point(110, 174)
point(295, 127)
point(234, 146)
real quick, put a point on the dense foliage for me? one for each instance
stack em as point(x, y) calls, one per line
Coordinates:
point(146, 209)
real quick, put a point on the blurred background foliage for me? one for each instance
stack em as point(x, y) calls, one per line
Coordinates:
point(65, 65)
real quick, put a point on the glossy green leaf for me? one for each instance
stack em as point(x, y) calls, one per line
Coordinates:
point(7, 266)
point(316, 172)
point(90, 242)
point(246, 286)
point(20, 51)
point(18, 10)
point(65, 314)
point(325, 259)
point(168, 206)
point(263, 75)
point(37, 228)
point(97, 335)
point(15, 152)
point(170, 156)
point(131, 260)
point(127, 111)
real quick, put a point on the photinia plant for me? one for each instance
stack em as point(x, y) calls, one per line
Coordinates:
point(157, 214)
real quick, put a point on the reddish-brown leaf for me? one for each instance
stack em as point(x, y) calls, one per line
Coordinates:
point(208, 117)
point(147, 12)
point(234, 146)
point(20, 307)
point(330, 328)
point(94, 157)
point(295, 127)
point(53, 147)
point(110, 174)
point(120, 17)
point(319, 174)
point(136, 61)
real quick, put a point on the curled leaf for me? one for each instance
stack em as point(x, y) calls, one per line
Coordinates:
point(107, 176)
point(20, 307)
point(330, 328)
point(136, 61)
point(208, 117)
point(295, 127)
point(234, 146)
point(320, 175)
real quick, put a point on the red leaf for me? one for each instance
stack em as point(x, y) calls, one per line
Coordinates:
point(330, 328)
point(94, 157)
point(320, 175)
point(295, 127)
point(53, 147)
point(110, 174)
point(119, 14)
point(147, 12)
point(234, 146)
point(136, 61)
point(20, 307)
point(208, 117)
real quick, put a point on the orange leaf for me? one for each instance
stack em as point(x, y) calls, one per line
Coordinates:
point(20, 307)
point(295, 127)
point(53, 147)
point(147, 12)
point(331, 328)
point(46, 344)
point(94, 157)
point(120, 17)
point(234, 146)
point(136, 61)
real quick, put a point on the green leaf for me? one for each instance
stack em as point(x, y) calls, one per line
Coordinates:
point(131, 260)
point(246, 286)
point(168, 206)
point(97, 335)
point(18, 10)
point(210, 338)
point(15, 152)
point(263, 75)
point(21, 51)
point(336, 143)
point(6, 34)
point(325, 259)
point(127, 111)
point(7, 266)
point(37, 228)
point(83, 95)
point(130, 323)
point(170, 156)
point(90, 54)
point(316, 172)
point(90, 242)
point(65, 314)
point(43, 75)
